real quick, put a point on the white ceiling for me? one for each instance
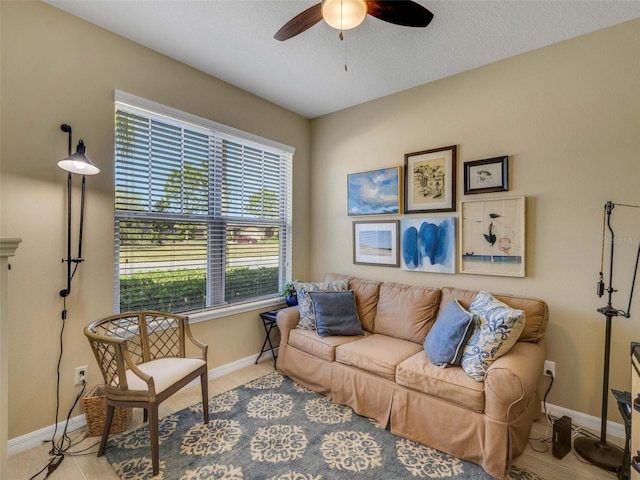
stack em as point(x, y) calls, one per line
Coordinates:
point(233, 40)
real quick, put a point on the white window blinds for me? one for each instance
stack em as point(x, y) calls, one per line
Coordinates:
point(202, 211)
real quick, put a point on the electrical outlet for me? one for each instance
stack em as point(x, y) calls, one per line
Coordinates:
point(81, 375)
point(549, 366)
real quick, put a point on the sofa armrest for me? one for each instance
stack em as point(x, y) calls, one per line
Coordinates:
point(512, 378)
point(287, 319)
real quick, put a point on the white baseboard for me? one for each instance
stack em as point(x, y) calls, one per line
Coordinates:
point(584, 420)
point(33, 439)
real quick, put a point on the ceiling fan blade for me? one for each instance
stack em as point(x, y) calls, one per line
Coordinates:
point(400, 12)
point(301, 22)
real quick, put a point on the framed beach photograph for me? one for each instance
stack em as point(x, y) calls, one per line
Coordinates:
point(376, 192)
point(430, 181)
point(492, 237)
point(376, 243)
point(488, 175)
point(428, 244)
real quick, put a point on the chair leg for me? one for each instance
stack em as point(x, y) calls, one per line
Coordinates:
point(107, 427)
point(145, 415)
point(204, 384)
point(153, 436)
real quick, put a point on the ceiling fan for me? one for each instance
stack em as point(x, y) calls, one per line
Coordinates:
point(347, 14)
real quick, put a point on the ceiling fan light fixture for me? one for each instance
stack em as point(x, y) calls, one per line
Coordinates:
point(344, 14)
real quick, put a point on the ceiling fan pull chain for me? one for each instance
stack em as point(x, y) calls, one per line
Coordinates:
point(346, 53)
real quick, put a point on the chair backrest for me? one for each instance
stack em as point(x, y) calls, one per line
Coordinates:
point(123, 340)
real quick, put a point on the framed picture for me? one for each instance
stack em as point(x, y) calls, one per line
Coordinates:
point(428, 244)
point(374, 193)
point(488, 175)
point(492, 237)
point(376, 243)
point(430, 181)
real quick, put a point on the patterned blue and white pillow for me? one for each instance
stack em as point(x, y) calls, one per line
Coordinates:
point(498, 328)
point(307, 314)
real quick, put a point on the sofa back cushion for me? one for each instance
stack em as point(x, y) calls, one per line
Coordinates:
point(406, 311)
point(536, 311)
point(367, 293)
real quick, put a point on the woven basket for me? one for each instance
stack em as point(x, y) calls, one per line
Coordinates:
point(95, 407)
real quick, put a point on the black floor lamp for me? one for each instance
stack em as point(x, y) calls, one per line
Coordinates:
point(598, 451)
point(80, 164)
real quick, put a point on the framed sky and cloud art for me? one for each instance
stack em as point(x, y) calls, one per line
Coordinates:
point(375, 192)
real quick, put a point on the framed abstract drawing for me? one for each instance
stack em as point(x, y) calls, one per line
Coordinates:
point(430, 180)
point(376, 243)
point(428, 244)
point(492, 237)
point(488, 175)
point(376, 192)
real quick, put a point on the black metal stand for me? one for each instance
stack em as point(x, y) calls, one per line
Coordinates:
point(269, 322)
point(598, 451)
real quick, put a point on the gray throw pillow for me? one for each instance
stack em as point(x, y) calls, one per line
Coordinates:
point(447, 338)
point(335, 313)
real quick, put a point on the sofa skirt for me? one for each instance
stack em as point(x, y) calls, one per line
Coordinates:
point(474, 436)
point(312, 372)
point(367, 394)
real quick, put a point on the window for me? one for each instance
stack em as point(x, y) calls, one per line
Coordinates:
point(202, 211)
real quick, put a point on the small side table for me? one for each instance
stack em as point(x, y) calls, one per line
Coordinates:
point(269, 322)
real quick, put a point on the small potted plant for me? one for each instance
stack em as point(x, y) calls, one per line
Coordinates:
point(288, 291)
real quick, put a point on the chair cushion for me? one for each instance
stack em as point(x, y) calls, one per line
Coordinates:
point(165, 372)
point(336, 313)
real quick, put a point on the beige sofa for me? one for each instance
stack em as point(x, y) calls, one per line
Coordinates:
point(386, 374)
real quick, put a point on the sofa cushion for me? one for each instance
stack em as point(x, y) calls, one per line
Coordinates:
point(310, 342)
point(406, 312)
point(378, 354)
point(447, 338)
point(497, 329)
point(450, 384)
point(536, 310)
point(335, 313)
point(367, 294)
point(307, 315)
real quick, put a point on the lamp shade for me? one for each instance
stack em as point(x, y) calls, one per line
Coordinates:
point(79, 162)
point(344, 14)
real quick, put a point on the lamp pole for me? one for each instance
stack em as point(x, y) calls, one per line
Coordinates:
point(598, 451)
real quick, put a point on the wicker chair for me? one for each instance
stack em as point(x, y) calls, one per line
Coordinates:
point(143, 361)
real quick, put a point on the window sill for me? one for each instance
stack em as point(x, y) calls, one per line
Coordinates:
point(206, 315)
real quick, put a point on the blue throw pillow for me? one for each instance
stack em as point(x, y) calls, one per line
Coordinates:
point(335, 313)
point(446, 340)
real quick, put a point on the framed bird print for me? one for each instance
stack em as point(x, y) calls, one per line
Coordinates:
point(492, 237)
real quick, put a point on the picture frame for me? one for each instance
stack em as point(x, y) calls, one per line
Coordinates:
point(430, 180)
point(375, 192)
point(428, 244)
point(487, 175)
point(492, 237)
point(376, 243)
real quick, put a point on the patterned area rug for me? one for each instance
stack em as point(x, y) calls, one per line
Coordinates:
point(275, 429)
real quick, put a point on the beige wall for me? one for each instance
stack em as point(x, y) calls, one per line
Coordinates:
point(58, 69)
point(568, 116)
